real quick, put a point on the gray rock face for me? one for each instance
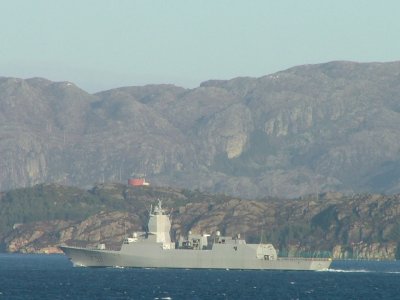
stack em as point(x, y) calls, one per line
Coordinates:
point(308, 129)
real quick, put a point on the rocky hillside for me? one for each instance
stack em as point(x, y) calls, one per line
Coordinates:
point(362, 226)
point(308, 129)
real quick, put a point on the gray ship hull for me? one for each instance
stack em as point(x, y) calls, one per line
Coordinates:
point(241, 258)
point(154, 249)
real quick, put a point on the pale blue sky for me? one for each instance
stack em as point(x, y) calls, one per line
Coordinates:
point(103, 44)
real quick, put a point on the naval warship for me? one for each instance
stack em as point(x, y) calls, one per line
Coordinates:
point(154, 249)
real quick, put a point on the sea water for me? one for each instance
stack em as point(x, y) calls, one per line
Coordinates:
point(53, 277)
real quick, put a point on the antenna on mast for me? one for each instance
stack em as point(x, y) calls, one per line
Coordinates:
point(261, 235)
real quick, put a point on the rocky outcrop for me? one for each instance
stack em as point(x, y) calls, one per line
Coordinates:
point(366, 251)
point(32, 238)
point(362, 226)
point(42, 237)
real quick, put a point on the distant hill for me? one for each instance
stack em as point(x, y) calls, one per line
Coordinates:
point(305, 130)
point(40, 218)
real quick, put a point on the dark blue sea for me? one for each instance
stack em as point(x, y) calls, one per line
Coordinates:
point(53, 277)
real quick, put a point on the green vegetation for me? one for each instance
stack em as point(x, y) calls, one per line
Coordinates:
point(325, 218)
point(46, 202)
point(289, 234)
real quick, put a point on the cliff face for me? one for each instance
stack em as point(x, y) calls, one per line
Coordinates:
point(360, 226)
point(362, 250)
point(308, 129)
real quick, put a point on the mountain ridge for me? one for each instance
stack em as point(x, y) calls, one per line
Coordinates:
point(307, 129)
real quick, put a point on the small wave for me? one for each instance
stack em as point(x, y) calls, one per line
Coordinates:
point(78, 265)
point(360, 271)
point(348, 271)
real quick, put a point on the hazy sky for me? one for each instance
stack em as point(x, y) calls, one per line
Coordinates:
point(103, 44)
